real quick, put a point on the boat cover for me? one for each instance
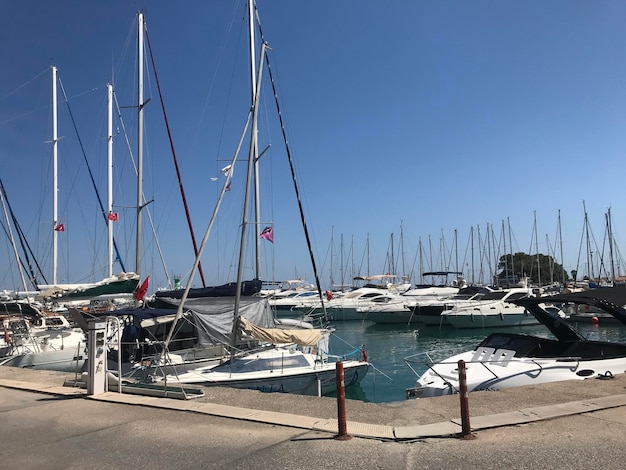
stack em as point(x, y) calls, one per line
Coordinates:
point(213, 316)
point(304, 337)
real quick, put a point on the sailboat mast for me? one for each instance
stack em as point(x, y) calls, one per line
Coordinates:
point(55, 182)
point(564, 273)
point(610, 236)
point(537, 250)
point(244, 221)
point(110, 177)
point(11, 238)
point(254, 150)
point(140, 104)
point(508, 222)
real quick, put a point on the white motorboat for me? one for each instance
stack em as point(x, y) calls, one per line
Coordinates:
point(387, 309)
point(48, 343)
point(504, 360)
point(493, 309)
point(295, 303)
point(351, 305)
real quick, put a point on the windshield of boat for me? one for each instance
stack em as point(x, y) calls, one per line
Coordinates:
point(497, 295)
point(255, 364)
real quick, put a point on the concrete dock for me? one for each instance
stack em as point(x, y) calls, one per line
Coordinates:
point(45, 425)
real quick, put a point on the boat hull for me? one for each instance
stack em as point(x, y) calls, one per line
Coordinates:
point(66, 360)
point(442, 378)
point(309, 383)
point(495, 320)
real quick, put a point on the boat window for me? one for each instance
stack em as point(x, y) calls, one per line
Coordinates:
point(370, 295)
point(494, 295)
point(259, 364)
point(54, 322)
point(518, 295)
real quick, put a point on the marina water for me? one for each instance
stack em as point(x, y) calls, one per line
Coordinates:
point(388, 345)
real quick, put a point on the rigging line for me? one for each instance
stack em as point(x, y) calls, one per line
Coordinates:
point(178, 175)
point(26, 249)
point(148, 212)
point(44, 71)
point(295, 184)
point(93, 182)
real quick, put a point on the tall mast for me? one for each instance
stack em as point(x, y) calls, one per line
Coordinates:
point(244, 221)
point(110, 177)
point(254, 150)
point(472, 279)
point(332, 241)
point(537, 250)
point(610, 236)
point(341, 270)
point(55, 182)
point(11, 238)
point(404, 275)
point(508, 221)
point(140, 104)
point(563, 274)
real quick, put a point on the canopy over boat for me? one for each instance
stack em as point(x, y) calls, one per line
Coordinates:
point(212, 316)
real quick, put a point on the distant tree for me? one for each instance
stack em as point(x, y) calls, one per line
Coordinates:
point(521, 265)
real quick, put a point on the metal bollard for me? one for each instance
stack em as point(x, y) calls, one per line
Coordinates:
point(341, 403)
point(466, 430)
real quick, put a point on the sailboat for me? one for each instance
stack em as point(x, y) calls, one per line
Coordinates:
point(291, 360)
point(113, 285)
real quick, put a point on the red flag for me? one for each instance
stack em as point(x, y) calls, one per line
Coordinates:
point(140, 293)
point(59, 228)
point(113, 217)
point(268, 234)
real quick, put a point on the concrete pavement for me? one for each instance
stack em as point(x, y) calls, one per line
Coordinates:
point(45, 425)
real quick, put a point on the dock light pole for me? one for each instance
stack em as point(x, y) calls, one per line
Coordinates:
point(341, 403)
point(466, 430)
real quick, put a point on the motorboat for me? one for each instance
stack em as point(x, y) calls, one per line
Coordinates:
point(491, 310)
point(44, 343)
point(295, 303)
point(352, 305)
point(428, 309)
point(503, 360)
point(387, 309)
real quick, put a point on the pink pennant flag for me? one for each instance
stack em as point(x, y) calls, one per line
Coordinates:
point(268, 234)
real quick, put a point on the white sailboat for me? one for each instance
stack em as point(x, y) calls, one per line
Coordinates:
point(285, 361)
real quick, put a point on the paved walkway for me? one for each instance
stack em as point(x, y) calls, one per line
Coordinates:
point(46, 425)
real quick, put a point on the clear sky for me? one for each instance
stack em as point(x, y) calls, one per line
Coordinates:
point(430, 121)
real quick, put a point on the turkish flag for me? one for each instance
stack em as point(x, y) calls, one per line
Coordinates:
point(140, 293)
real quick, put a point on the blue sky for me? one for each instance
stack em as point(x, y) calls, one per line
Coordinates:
point(438, 117)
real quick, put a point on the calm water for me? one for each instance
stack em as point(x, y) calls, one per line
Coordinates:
point(388, 345)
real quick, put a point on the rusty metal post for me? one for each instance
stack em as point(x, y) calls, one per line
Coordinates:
point(341, 403)
point(466, 430)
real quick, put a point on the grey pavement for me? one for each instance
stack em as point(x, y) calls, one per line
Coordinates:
point(44, 425)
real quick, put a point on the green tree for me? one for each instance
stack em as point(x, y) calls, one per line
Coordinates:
point(520, 265)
